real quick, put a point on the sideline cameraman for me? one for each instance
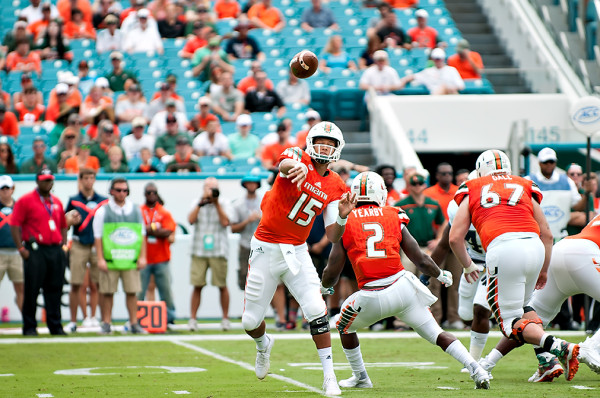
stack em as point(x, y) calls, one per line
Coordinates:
point(209, 249)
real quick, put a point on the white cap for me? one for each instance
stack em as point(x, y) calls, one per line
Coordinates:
point(101, 82)
point(143, 13)
point(380, 54)
point(6, 181)
point(64, 77)
point(204, 100)
point(546, 154)
point(61, 88)
point(138, 121)
point(574, 167)
point(438, 53)
point(72, 80)
point(421, 13)
point(243, 120)
point(312, 114)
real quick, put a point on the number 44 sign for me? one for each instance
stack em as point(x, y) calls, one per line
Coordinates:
point(152, 316)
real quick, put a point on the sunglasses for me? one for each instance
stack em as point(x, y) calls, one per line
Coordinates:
point(119, 190)
point(575, 174)
point(549, 162)
point(69, 137)
point(445, 173)
point(414, 184)
point(39, 145)
point(151, 193)
point(4, 188)
point(171, 121)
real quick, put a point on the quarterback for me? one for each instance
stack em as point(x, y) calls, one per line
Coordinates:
point(303, 189)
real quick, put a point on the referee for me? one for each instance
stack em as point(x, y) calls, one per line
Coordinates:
point(39, 229)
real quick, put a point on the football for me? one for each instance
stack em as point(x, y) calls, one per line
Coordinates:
point(304, 64)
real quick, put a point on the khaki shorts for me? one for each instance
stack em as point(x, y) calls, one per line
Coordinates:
point(200, 265)
point(13, 265)
point(109, 281)
point(79, 257)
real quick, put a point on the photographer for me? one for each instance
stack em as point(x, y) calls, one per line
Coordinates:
point(209, 249)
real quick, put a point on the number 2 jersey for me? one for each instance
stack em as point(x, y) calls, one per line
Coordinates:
point(372, 241)
point(287, 213)
point(500, 204)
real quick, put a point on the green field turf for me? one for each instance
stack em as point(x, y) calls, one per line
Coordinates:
point(406, 367)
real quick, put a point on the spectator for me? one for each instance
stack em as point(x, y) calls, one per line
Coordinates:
point(160, 233)
point(440, 79)
point(242, 143)
point(388, 173)
point(53, 45)
point(5, 97)
point(60, 105)
point(171, 80)
point(117, 259)
point(197, 40)
point(83, 159)
point(78, 28)
point(265, 16)
point(171, 27)
point(106, 140)
point(147, 166)
point(66, 7)
point(312, 118)
point(26, 82)
point(249, 81)
point(245, 216)
point(376, 22)
point(423, 36)
point(160, 104)
point(293, 90)
point(136, 5)
point(102, 9)
point(334, 56)
point(132, 106)
point(7, 158)
point(208, 62)
point(443, 191)
point(116, 161)
point(391, 35)
point(33, 12)
point(109, 39)
point(23, 59)
point(10, 260)
point(29, 111)
point(209, 249)
point(8, 122)
point(227, 9)
point(143, 38)
point(133, 143)
point(39, 229)
point(262, 99)
point(317, 17)
point(159, 9)
point(468, 63)
point(184, 158)
point(38, 27)
point(56, 134)
point(226, 100)
point(273, 137)
point(119, 76)
point(461, 176)
point(199, 122)
point(85, 80)
point(158, 125)
point(19, 33)
point(270, 153)
point(81, 253)
point(94, 104)
point(380, 76)
point(403, 3)
point(243, 46)
point(165, 144)
point(67, 146)
point(104, 115)
point(73, 98)
point(211, 142)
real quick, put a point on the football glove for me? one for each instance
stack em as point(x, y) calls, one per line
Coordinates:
point(470, 275)
point(445, 277)
point(424, 279)
point(326, 291)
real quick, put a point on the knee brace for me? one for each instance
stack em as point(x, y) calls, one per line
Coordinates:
point(319, 325)
point(517, 332)
point(250, 322)
point(527, 309)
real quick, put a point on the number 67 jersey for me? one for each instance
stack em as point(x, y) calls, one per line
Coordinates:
point(499, 204)
point(288, 214)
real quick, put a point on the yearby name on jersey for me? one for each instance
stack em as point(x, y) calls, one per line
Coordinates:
point(368, 211)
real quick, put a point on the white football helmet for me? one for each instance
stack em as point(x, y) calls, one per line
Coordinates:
point(472, 175)
point(327, 130)
point(492, 161)
point(369, 187)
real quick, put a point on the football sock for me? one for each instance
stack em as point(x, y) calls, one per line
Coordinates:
point(494, 356)
point(478, 341)
point(355, 360)
point(547, 342)
point(326, 360)
point(262, 342)
point(460, 353)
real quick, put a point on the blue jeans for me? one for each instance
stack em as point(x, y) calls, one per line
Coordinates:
point(162, 277)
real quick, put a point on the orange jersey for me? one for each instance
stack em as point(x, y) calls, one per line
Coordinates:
point(158, 250)
point(288, 214)
point(500, 204)
point(372, 240)
point(590, 232)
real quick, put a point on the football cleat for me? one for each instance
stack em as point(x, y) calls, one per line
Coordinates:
point(487, 366)
point(548, 369)
point(567, 355)
point(330, 386)
point(589, 355)
point(262, 364)
point(355, 382)
point(481, 378)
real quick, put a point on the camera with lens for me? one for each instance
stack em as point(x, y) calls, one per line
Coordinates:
point(215, 192)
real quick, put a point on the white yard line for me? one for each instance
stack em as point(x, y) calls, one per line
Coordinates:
point(247, 366)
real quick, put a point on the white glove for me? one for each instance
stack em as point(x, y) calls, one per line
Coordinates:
point(472, 273)
point(326, 291)
point(445, 277)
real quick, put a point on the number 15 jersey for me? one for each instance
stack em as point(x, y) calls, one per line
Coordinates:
point(500, 204)
point(287, 213)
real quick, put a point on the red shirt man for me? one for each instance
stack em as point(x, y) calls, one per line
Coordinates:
point(158, 249)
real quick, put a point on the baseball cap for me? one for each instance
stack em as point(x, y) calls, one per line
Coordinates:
point(547, 154)
point(214, 41)
point(101, 82)
point(111, 19)
point(116, 55)
point(250, 178)
point(312, 114)
point(181, 141)
point(170, 102)
point(380, 54)
point(61, 88)
point(138, 121)
point(45, 6)
point(421, 13)
point(44, 175)
point(462, 45)
point(438, 53)
point(204, 101)
point(143, 13)
point(574, 167)
point(6, 181)
point(243, 120)
point(164, 86)
point(416, 178)
point(171, 78)
point(133, 87)
point(20, 24)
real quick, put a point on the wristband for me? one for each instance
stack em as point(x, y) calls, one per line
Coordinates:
point(21, 249)
point(341, 221)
